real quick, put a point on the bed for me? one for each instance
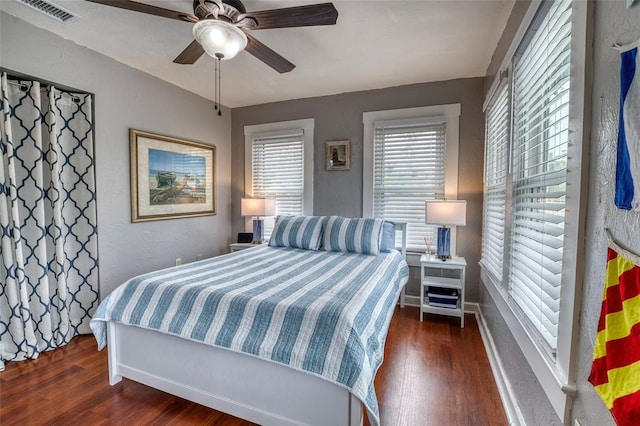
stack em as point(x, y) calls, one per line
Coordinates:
point(289, 334)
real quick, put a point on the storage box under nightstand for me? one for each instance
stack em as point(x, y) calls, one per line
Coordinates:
point(443, 297)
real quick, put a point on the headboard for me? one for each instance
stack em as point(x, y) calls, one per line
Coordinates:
point(402, 227)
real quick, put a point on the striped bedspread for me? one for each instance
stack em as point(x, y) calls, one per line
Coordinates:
point(325, 313)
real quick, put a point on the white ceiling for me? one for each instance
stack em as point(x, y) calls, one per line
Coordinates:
point(374, 44)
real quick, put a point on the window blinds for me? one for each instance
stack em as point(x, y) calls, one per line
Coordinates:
point(409, 168)
point(540, 135)
point(495, 180)
point(278, 172)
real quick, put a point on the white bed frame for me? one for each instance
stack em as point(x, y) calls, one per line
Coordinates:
point(245, 386)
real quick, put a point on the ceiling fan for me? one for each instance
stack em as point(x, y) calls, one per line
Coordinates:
point(225, 22)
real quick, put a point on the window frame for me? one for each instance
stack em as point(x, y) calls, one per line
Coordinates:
point(251, 132)
point(451, 113)
point(557, 377)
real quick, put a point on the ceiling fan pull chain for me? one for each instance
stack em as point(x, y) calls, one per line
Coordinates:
point(219, 86)
point(215, 83)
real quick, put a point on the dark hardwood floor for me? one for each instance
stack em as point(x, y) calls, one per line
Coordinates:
point(434, 373)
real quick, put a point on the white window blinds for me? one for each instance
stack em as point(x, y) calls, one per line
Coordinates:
point(409, 168)
point(278, 172)
point(495, 181)
point(540, 134)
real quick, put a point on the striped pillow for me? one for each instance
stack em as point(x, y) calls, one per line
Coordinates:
point(353, 235)
point(303, 232)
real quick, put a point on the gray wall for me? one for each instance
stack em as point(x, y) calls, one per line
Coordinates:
point(126, 98)
point(613, 23)
point(340, 117)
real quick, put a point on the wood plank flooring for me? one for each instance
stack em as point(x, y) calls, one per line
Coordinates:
point(434, 373)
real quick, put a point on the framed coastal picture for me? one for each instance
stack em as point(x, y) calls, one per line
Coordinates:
point(170, 178)
point(338, 155)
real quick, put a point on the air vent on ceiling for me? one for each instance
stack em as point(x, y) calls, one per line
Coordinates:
point(49, 9)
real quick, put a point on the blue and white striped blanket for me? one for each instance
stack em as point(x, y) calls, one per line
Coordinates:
point(324, 313)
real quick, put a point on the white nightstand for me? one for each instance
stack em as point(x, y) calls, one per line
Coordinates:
point(241, 246)
point(444, 279)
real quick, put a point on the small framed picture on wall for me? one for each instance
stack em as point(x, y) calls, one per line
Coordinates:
point(338, 155)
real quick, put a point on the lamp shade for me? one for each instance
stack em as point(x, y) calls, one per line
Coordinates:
point(258, 207)
point(443, 212)
point(219, 39)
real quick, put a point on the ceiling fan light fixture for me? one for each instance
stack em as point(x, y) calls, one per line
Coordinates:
point(219, 39)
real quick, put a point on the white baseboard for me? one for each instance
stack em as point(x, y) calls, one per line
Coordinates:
point(509, 400)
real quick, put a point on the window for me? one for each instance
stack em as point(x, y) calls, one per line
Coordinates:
point(495, 182)
point(411, 156)
point(534, 168)
point(280, 165)
point(539, 177)
point(277, 171)
point(399, 190)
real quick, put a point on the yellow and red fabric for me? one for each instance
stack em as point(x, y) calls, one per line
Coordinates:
point(615, 372)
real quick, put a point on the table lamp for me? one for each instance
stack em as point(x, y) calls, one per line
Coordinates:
point(445, 212)
point(257, 208)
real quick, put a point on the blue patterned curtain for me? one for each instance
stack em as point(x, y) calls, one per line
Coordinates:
point(48, 227)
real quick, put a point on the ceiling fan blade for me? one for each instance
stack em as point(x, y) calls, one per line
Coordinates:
point(268, 56)
point(299, 16)
point(148, 9)
point(190, 54)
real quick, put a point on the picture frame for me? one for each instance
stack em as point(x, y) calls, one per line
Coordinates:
point(170, 178)
point(338, 155)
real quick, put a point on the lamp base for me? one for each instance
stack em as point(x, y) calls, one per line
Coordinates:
point(444, 243)
point(258, 231)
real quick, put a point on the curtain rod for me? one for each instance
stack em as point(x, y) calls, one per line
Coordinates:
point(24, 87)
point(13, 75)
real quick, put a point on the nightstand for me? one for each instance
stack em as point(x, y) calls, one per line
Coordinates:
point(241, 246)
point(442, 286)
